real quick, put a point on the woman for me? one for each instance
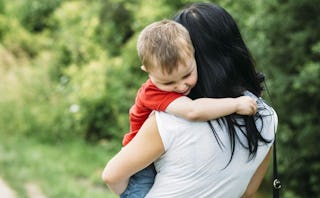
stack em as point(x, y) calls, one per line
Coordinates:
point(227, 157)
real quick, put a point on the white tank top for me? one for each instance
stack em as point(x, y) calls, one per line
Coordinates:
point(194, 166)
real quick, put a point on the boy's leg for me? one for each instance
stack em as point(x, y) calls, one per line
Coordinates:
point(140, 183)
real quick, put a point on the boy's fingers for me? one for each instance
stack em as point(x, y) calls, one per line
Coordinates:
point(255, 109)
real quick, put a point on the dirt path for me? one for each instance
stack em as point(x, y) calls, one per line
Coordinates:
point(6, 191)
point(32, 189)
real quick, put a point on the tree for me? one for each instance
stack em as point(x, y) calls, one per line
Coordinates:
point(293, 57)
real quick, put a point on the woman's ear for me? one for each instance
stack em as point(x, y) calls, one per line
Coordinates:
point(143, 68)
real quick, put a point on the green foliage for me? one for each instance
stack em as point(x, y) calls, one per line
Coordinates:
point(17, 40)
point(294, 58)
point(2, 7)
point(115, 27)
point(44, 116)
point(74, 37)
point(35, 14)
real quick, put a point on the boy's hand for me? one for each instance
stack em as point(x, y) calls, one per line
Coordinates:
point(246, 105)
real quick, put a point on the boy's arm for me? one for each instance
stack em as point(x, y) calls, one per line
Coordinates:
point(204, 109)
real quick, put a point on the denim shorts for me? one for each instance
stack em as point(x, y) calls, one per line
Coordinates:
point(140, 183)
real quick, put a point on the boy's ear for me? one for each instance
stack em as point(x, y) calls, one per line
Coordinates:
point(143, 68)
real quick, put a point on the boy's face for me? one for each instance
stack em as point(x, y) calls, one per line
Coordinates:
point(181, 80)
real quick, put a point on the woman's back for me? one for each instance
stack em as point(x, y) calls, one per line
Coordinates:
point(194, 165)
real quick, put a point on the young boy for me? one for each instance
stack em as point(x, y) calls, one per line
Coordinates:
point(167, 55)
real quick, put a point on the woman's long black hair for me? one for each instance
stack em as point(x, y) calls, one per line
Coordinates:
point(225, 65)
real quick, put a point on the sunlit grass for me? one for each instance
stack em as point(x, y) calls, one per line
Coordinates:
point(70, 170)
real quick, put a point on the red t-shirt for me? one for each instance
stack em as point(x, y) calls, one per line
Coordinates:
point(149, 98)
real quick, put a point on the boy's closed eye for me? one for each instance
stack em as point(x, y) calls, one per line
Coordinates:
point(172, 82)
point(186, 76)
point(168, 83)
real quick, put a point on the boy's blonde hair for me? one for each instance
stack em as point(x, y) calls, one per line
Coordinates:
point(164, 44)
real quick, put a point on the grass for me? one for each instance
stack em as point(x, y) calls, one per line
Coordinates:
point(68, 170)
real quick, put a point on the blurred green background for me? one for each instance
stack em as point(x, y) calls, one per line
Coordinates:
point(69, 72)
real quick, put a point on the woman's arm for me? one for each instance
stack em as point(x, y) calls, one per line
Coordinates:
point(257, 177)
point(139, 153)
